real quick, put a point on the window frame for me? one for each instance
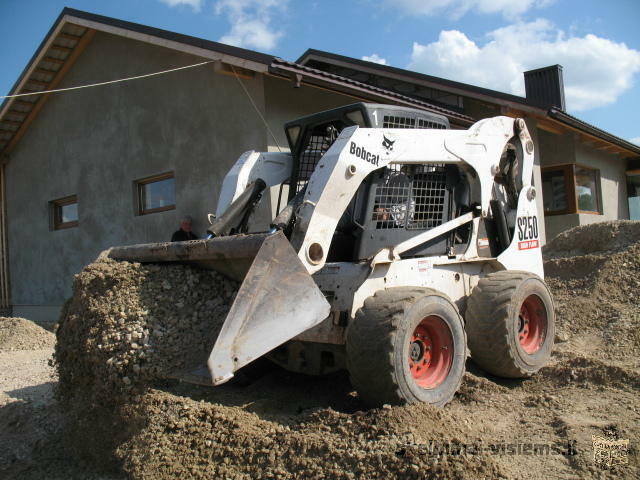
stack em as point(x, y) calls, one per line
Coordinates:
point(139, 186)
point(569, 170)
point(55, 212)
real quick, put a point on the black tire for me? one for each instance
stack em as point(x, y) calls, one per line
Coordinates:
point(499, 339)
point(379, 343)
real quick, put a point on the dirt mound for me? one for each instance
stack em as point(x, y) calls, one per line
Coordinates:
point(21, 334)
point(594, 238)
point(583, 370)
point(183, 438)
point(596, 294)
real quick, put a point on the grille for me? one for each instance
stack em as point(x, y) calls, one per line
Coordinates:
point(390, 121)
point(316, 148)
point(411, 198)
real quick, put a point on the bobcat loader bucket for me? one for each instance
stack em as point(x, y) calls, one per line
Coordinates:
point(277, 299)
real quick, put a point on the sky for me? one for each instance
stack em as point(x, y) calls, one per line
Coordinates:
point(487, 43)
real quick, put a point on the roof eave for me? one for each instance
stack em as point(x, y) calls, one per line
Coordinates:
point(571, 121)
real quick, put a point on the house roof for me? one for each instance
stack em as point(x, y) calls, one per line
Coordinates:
point(311, 75)
point(73, 30)
point(312, 54)
point(554, 115)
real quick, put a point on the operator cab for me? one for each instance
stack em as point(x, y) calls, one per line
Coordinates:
point(393, 203)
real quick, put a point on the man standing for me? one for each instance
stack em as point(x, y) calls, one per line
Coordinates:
point(185, 232)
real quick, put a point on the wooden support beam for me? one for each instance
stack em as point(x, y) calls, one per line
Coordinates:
point(45, 71)
point(11, 122)
point(68, 36)
point(511, 112)
point(227, 69)
point(58, 48)
point(607, 147)
point(22, 103)
point(86, 38)
point(57, 61)
point(552, 128)
point(18, 112)
point(30, 90)
point(38, 83)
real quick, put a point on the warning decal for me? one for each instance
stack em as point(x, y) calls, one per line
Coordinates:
point(528, 244)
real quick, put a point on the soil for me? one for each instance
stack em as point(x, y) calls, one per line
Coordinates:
point(283, 425)
point(21, 334)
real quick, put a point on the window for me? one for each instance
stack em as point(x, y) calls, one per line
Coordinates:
point(586, 190)
point(570, 189)
point(64, 212)
point(156, 194)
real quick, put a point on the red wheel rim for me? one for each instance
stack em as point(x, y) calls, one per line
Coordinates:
point(532, 324)
point(430, 352)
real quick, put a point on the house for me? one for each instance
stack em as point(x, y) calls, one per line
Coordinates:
point(121, 163)
point(86, 169)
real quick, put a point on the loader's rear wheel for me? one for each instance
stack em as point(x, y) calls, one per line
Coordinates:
point(510, 324)
point(406, 345)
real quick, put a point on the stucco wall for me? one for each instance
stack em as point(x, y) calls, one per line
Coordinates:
point(555, 149)
point(563, 149)
point(96, 142)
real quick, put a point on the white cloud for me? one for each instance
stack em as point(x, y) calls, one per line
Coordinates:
point(251, 22)
point(596, 70)
point(375, 58)
point(195, 4)
point(458, 8)
point(635, 140)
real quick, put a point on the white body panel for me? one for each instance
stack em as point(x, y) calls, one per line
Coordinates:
point(273, 168)
point(359, 151)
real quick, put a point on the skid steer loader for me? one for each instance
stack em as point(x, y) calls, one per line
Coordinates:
point(400, 242)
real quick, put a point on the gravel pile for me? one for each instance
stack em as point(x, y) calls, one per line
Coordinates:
point(21, 334)
point(128, 325)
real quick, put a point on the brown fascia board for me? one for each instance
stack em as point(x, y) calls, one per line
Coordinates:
point(458, 88)
point(145, 30)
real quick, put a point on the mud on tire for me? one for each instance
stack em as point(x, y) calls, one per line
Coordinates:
point(510, 323)
point(406, 345)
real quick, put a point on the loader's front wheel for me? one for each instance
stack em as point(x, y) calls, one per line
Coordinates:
point(510, 323)
point(406, 345)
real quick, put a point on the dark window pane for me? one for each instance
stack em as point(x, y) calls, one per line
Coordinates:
point(69, 213)
point(159, 194)
point(554, 192)
point(64, 212)
point(586, 189)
